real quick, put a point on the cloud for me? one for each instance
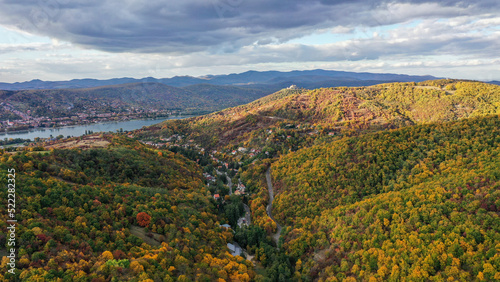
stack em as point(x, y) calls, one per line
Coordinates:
point(111, 38)
point(429, 38)
point(190, 26)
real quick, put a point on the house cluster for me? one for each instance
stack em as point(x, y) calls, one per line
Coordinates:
point(209, 177)
point(173, 141)
point(221, 163)
point(251, 153)
point(240, 150)
point(27, 121)
point(173, 138)
point(9, 108)
point(170, 142)
point(151, 143)
point(91, 116)
point(240, 189)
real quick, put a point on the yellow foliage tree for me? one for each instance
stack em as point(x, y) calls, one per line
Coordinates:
point(107, 255)
point(136, 267)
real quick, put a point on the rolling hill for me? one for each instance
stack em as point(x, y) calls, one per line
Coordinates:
point(128, 97)
point(297, 117)
point(121, 212)
point(421, 202)
point(389, 182)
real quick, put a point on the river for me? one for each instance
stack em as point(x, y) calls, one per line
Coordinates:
point(78, 130)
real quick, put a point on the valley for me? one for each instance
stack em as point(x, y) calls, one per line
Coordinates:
point(361, 174)
point(250, 141)
point(392, 182)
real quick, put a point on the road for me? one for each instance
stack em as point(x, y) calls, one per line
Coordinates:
point(275, 236)
point(248, 214)
point(247, 217)
point(229, 183)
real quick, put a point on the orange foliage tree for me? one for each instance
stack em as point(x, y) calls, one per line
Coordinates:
point(143, 219)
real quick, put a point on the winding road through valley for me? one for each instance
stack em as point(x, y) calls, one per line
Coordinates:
point(275, 236)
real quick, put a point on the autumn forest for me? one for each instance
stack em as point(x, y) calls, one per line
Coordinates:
point(391, 182)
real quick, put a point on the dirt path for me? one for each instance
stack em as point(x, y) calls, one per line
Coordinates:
point(141, 233)
point(275, 236)
point(273, 117)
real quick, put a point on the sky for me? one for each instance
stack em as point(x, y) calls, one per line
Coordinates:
point(102, 39)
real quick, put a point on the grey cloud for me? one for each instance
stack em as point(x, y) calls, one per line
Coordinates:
point(200, 25)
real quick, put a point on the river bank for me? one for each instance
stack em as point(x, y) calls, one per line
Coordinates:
point(79, 130)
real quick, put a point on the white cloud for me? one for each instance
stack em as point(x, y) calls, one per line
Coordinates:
point(31, 47)
point(342, 30)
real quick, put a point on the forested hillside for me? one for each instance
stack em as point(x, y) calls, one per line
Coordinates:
point(418, 203)
point(125, 212)
point(392, 182)
point(389, 182)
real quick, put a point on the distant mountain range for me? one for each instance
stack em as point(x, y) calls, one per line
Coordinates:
point(269, 80)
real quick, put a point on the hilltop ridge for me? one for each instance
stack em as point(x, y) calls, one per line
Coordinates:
point(302, 114)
